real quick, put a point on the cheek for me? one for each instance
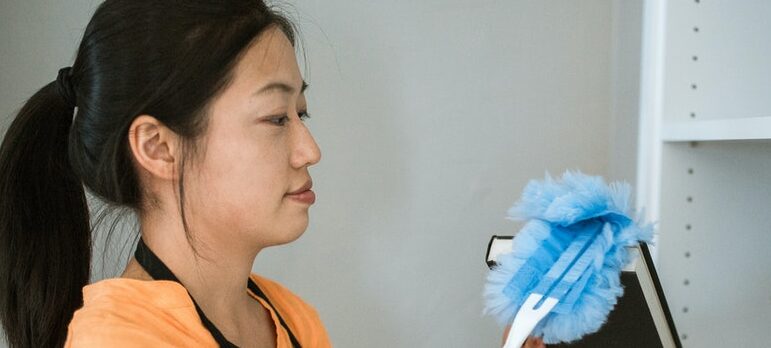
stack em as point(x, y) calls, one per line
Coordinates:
point(243, 180)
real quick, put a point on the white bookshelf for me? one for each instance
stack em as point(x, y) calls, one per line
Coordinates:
point(751, 128)
point(704, 165)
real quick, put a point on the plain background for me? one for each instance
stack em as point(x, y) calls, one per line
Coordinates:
point(431, 117)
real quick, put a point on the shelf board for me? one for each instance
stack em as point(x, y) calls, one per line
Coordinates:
point(754, 128)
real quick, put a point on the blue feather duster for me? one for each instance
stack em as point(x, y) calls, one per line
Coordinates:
point(559, 215)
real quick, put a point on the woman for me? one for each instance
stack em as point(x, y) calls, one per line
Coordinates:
point(190, 115)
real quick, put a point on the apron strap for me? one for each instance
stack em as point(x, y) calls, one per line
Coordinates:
point(158, 270)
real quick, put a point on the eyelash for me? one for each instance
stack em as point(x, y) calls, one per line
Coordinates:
point(303, 116)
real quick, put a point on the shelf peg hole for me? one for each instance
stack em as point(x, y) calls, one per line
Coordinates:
point(695, 29)
point(689, 199)
point(694, 86)
point(693, 115)
point(687, 254)
point(690, 170)
point(686, 282)
point(695, 58)
point(688, 227)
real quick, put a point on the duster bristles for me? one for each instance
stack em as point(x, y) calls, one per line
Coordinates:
point(565, 203)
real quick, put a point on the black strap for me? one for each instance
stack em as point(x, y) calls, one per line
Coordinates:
point(158, 270)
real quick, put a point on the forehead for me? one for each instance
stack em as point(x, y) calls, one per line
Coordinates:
point(270, 57)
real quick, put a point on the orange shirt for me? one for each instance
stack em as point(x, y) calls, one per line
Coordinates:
point(123, 312)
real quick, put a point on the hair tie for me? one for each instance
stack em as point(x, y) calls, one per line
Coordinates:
point(64, 86)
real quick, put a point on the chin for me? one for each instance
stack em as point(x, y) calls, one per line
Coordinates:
point(292, 234)
point(295, 237)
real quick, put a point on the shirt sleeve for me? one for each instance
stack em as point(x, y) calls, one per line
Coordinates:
point(133, 326)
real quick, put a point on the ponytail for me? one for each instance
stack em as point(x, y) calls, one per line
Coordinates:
point(45, 238)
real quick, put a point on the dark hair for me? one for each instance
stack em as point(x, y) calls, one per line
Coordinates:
point(164, 58)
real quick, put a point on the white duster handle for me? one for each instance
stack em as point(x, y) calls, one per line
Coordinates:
point(527, 318)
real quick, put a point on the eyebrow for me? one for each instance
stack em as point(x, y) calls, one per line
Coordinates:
point(282, 87)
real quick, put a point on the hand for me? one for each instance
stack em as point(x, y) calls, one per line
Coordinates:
point(534, 342)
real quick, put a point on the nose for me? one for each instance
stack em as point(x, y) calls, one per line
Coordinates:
point(305, 151)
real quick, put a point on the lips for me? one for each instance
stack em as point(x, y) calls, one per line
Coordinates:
point(307, 186)
point(303, 194)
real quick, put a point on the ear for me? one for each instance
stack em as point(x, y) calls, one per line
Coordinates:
point(154, 146)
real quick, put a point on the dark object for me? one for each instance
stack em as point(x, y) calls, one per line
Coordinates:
point(490, 259)
point(629, 324)
point(632, 322)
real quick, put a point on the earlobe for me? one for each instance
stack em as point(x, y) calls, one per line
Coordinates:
point(154, 146)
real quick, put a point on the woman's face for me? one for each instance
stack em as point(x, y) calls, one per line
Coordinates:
point(255, 151)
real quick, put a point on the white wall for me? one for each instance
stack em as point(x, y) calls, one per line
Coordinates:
point(431, 117)
point(625, 89)
point(37, 38)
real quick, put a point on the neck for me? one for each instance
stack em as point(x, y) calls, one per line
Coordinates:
point(216, 277)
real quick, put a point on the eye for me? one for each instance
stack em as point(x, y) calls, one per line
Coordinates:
point(281, 120)
point(304, 115)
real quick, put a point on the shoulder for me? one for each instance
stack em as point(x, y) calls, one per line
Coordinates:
point(301, 317)
point(122, 312)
